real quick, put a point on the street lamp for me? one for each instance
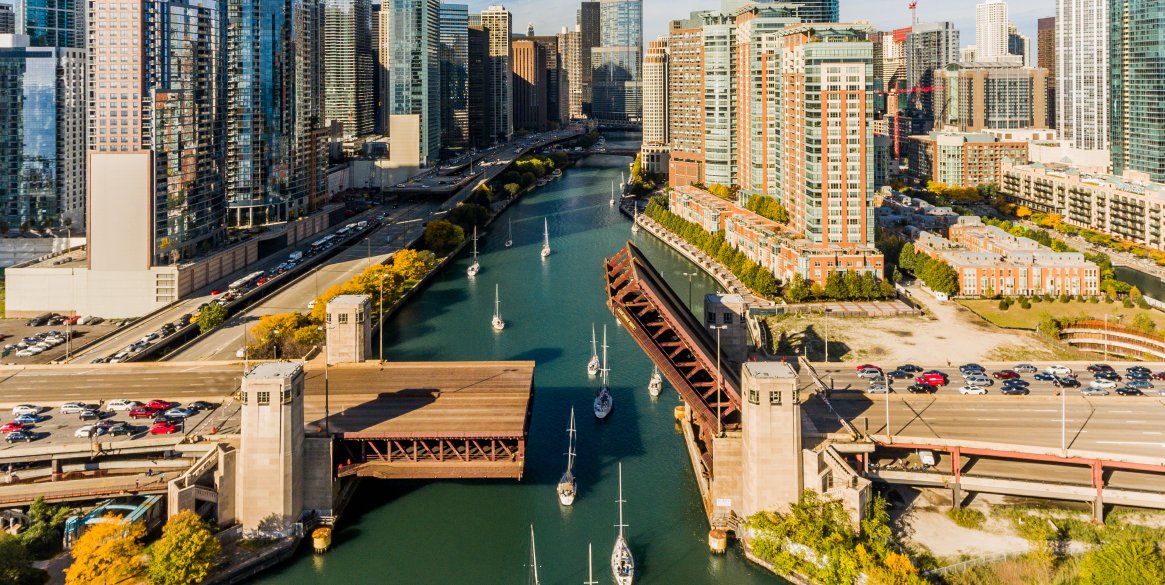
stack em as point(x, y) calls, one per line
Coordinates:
point(380, 326)
point(886, 383)
point(719, 380)
point(689, 275)
point(824, 317)
point(275, 342)
point(326, 405)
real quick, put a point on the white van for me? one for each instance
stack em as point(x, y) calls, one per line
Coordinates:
point(927, 457)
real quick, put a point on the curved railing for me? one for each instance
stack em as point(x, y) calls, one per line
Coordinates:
point(1110, 338)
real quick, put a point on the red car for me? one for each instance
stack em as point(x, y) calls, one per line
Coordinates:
point(217, 291)
point(1159, 376)
point(13, 426)
point(868, 367)
point(160, 404)
point(932, 379)
point(143, 412)
point(261, 281)
point(1005, 375)
point(163, 428)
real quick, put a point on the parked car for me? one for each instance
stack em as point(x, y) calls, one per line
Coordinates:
point(972, 390)
point(1100, 383)
point(909, 368)
point(1091, 390)
point(1094, 368)
point(1136, 376)
point(143, 412)
point(901, 375)
point(203, 405)
point(12, 427)
point(121, 428)
point(1138, 369)
point(73, 407)
point(1140, 384)
point(89, 431)
point(870, 373)
point(1158, 376)
point(922, 388)
point(164, 428)
point(1014, 390)
point(1025, 369)
point(161, 404)
point(971, 367)
point(867, 367)
point(932, 379)
point(180, 412)
point(217, 291)
point(1129, 391)
point(1017, 382)
point(26, 436)
point(1066, 382)
point(1005, 375)
point(27, 419)
point(877, 388)
point(91, 414)
point(25, 409)
point(1112, 376)
point(979, 380)
point(122, 405)
point(1059, 370)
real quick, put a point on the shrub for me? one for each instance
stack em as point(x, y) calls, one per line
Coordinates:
point(1024, 304)
point(1128, 304)
point(1037, 299)
point(1093, 300)
point(1004, 305)
point(967, 517)
point(1132, 561)
point(1064, 298)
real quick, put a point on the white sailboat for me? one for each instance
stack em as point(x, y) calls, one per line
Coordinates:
point(533, 560)
point(510, 236)
point(655, 385)
point(612, 194)
point(590, 567)
point(567, 486)
point(604, 402)
point(622, 182)
point(475, 267)
point(497, 322)
point(622, 563)
point(545, 238)
point(593, 365)
point(635, 219)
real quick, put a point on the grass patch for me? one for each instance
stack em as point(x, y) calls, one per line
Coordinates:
point(967, 517)
point(256, 544)
point(1016, 317)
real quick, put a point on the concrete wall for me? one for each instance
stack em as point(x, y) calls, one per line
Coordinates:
point(319, 483)
point(203, 273)
point(271, 457)
point(120, 211)
point(108, 293)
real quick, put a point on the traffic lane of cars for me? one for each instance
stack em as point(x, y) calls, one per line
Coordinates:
point(114, 420)
point(1003, 380)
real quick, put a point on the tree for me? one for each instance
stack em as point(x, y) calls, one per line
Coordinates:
point(1143, 322)
point(14, 563)
point(1135, 294)
point(442, 236)
point(43, 536)
point(943, 278)
point(107, 552)
point(512, 189)
point(185, 553)
point(798, 290)
point(907, 258)
point(835, 285)
point(211, 317)
point(468, 215)
point(1134, 561)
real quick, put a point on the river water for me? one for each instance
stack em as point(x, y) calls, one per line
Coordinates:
point(463, 532)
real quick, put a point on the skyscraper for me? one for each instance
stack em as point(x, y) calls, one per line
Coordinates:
point(42, 135)
point(1046, 59)
point(615, 64)
point(685, 101)
point(929, 46)
point(1137, 72)
point(590, 28)
point(1019, 46)
point(454, 75)
point(52, 23)
point(7, 20)
point(155, 141)
point(529, 84)
point(1082, 73)
point(554, 60)
point(998, 95)
point(570, 43)
point(480, 106)
point(414, 82)
point(377, 84)
point(655, 92)
point(276, 153)
point(348, 68)
point(498, 22)
point(991, 31)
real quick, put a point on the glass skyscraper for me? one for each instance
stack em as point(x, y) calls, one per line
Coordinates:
point(414, 78)
point(349, 99)
point(616, 78)
point(52, 23)
point(1137, 86)
point(454, 75)
point(276, 143)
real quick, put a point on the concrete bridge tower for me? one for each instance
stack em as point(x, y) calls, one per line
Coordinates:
point(771, 466)
point(348, 328)
point(269, 471)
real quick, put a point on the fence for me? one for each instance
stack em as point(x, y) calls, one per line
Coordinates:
point(963, 566)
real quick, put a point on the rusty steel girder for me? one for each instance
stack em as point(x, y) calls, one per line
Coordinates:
point(672, 338)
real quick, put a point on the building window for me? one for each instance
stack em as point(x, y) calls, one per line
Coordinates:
point(711, 318)
point(775, 397)
point(753, 396)
point(343, 318)
point(263, 398)
point(727, 317)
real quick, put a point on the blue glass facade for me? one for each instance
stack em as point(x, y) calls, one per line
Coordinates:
point(414, 86)
point(616, 78)
point(28, 137)
point(1137, 77)
point(52, 23)
point(454, 75)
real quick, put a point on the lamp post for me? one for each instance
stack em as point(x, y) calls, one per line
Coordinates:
point(886, 382)
point(689, 275)
point(380, 318)
point(275, 342)
point(326, 405)
point(824, 317)
point(719, 380)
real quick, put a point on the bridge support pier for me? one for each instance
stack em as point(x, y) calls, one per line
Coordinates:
point(1098, 501)
point(957, 496)
point(56, 469)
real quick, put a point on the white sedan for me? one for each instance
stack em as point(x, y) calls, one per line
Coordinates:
point(1102, 384)
point(121, 404)
point(1059, 370)
point(21, 409)
point(878, 389)
point(972, 390)
point(89, 430)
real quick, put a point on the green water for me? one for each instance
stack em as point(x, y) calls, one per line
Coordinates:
point(454, 532)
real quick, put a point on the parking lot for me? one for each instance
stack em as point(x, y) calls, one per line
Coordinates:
point(60, 424)
point(846, 378)
point(14, 331)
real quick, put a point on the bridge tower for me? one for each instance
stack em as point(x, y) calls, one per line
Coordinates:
point(771, 457)
point(269, 472)
point(348, 327)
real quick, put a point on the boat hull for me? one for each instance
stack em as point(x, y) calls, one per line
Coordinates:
point(622, 563)
point(603, 407)
point(498, 324)
point(566, 492)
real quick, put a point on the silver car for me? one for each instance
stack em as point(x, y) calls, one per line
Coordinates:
point(878, 389)
point(1091, 390)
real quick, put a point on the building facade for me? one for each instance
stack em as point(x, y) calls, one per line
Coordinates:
point(454, 58)
point(349, 107)
point(1137, 82)
point(655, 99)
point(414, 79)
point(1130, 210)
point(571, 75)
point(589, 24)
point(42, 135)
point(1019, 46)
point(616, 79)
point(995, 95)
point(7, 20)
point(1082, 73)
point(929, 47)
point(480, 106)
point(554, 81)
point(1046, 59)
point(51, 23)
point(529, 84)
point(963, 159)
point(498, 22)
point(686, 101)
point(991, 43)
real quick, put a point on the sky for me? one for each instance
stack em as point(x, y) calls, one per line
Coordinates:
point(549, 16)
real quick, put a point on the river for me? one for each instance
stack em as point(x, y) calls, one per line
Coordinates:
point(463, 532)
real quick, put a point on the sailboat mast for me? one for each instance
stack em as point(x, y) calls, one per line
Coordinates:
point(594, 341)
point(570, 443)
point(533, 556)
point(497, 301)
point(620, 500)
point(590, 567)
point(606, 370)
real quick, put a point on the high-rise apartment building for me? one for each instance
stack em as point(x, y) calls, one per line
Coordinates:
point(1046, 59)
point(377, 85)
point(414, 79)
point(42, 135)
point(52, 23)
point(349, 95)
point(554, 85)
point(571, 75)
point(655, 97)
point(454, 75)
point(757, 135)
point(498, 22)
point(155, 141)
point(616, 78)
point(529, 84)
point(1137, 73)
point(930, 46)
point(1082, 73)
point(589, 23)
point(686, 101)
point(276, 150)
point(7, 20)
point(1019, 46)
point(997, 95)
point(991, 31)
point(480, 107)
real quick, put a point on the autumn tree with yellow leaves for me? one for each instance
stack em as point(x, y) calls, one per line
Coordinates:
point(107, 552)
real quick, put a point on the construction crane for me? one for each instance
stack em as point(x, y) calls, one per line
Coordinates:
point(913, 12)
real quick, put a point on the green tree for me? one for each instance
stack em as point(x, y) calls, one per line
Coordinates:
point(942, 277)
point(107, 552)
point(512, 189)
point(14, 563)
point(1143, 322)
point(906, 258)
point(1133, 561)
point(835, 285)
point(468, 215)
point(185, 553)
point(1135, 294)
point(798, 290)
point(442, 236)
point(43, 536)
point(210, 317)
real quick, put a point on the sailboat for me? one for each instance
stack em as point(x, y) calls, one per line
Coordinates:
point(604, 402)
point(475, 267)
point(634, 219)
point(612, 193)
point(545, 238)
point(622, 563)
point(590, 567)
point(567, 487)
point(622, 182)
point(533, 560)
point(497, 322)
point(510, 236)
point(655, 386)
point(593, 365)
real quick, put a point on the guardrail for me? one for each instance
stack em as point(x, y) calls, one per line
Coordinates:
point(963, 566)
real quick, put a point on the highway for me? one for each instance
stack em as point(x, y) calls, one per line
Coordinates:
point(400, 229)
